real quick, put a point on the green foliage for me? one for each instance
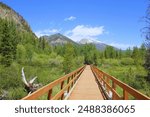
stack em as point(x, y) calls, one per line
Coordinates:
point(10, 76)
point(8, 42)
point(29, 52)
point(21, 54)
point(110, 52)
point(147, 37)
point(90, 54)
point(78, 61)
point(56, 62)
point(128, 53)
point(147, 64)
point(135, 55)
point(39, 59)
point(16, 93)
point(68, 56)
point(131, 74)
point(110, 62)
point(127, 61)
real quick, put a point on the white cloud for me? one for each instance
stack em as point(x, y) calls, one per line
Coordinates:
point(84, 31)
point(46, 32)
point(71, 18)
point(122, 46)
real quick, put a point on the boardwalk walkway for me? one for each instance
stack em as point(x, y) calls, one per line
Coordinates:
point(86, 87)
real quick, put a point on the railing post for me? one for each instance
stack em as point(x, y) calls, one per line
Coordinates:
point(72, 77)
point(113, 85)
point(67, 83)
point(114, 96)
point(62, 84)
point(107, 80)
point(104, 85)
point(125, 95)
point(77, 75)
point(49, 94)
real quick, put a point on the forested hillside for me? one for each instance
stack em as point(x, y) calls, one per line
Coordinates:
point(48, 62)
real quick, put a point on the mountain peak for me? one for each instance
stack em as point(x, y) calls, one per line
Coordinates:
point(87, 41)
point(58, 38)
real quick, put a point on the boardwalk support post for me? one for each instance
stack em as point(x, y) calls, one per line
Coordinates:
point(49, 94)
point(61, 87)
point(125, 95)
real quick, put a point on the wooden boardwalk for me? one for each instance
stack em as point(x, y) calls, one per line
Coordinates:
point(81, 84)
point(86, 87)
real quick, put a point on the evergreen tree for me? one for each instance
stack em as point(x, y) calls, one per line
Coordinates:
point(147, 63)
point(68, 57)
point(43, 44)
point(90, 54)
point(21, 53)
point(95, 58)
point(136, 55)
point(8, 43)
point(120, 54)
point(128, 52)
point(147, 59)
point(110, 52)
point(142, 52)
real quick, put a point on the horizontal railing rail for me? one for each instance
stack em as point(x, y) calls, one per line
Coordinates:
point(109, 84)
point(66, 83)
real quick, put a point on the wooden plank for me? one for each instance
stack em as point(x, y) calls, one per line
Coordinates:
point(86, 87)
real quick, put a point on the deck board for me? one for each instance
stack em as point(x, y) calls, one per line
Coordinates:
point(86, 87)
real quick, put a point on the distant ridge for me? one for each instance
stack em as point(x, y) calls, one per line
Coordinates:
point(58, 38)
point(99, 45)
point(8, 13)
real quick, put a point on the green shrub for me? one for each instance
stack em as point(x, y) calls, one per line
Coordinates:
point(78, 61)
point(10, 76)
point(21, 53)
point(40, 59)
point(56, 62)
point(16, 93)
point(127, 61)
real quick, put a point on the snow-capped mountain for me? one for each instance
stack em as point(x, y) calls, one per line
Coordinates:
point(61, 39)
point(99, 45)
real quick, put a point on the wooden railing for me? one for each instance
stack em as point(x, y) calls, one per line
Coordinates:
point(66, 83)
point(109, 86)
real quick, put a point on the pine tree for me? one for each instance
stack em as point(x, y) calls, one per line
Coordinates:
point(147, 58)
point(110, 52)
point(136, 55)
point(68, 57)
point(8, 43)
point(120, 54)
point(95, 58)
point(147, 63)
point(128, 52)
point(142, 52)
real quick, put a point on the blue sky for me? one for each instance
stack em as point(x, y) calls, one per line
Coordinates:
point(115, 22)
